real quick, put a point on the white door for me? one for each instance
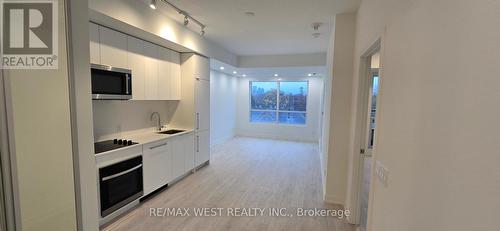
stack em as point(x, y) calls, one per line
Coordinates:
point(202, 102)
point(136, 63)
point(95, 53)
point(113, 47)
point(202, 152)
point(367, 146)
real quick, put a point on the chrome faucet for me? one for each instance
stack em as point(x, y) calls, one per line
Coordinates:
point(159, 120)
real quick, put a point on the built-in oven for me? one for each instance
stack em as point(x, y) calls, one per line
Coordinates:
point(111, 82)
point(120, 184)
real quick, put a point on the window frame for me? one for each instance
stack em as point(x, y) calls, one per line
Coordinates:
point(277, 110)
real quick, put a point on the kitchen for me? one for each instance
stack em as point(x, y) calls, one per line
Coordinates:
point(151, 117)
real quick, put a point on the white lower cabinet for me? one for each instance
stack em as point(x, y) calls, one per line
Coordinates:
point(189, 152)
point(157, 165)
point(182, 154)
point(202, 145)
point(177, 156)
point(166, 160)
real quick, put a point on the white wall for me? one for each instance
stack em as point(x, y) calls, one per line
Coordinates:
point(223, 92)
point(307, 133)
point(40, 140)
point(335, 142)
point(438, 115)
point(114, 118)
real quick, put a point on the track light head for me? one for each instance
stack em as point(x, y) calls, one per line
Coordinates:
point(186, 20)
point(152, 4)
point(202, 31)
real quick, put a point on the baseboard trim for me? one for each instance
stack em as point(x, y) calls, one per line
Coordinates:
point(273, 137)
point(220, 140)
point(333, 199)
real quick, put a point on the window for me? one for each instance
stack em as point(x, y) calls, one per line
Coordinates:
point(289, 106)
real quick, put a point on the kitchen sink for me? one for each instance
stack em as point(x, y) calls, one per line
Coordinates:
point(171, 131)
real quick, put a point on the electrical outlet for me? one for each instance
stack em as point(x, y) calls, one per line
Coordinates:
point(382, 173)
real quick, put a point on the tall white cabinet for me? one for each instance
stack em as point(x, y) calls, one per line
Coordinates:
point(194, 108)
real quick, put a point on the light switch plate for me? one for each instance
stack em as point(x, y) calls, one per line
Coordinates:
point(382, 173)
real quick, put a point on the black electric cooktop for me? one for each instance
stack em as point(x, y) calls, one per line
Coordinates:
point(109, 145)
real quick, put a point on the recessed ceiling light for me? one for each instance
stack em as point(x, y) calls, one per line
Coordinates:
point(244, 75)
point(235, 72)
point(309, 74)
point(222, 68)
point(275, 75)
point(152, 4)
point(279, 79)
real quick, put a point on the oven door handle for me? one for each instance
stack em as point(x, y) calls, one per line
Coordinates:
point(121, 173)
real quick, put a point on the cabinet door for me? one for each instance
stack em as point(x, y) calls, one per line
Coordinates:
point(177, 156)
point(164, 74)
point(202, 102)
point(157, 162)
point(202, 153)
point(175, 75)
point(151, 59)
point(113, 46)
point(189, 148)
point(136, 63)
point(95, 53)
point(202, 69)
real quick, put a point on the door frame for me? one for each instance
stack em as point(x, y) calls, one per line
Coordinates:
point(8, 182)
point(361, 108)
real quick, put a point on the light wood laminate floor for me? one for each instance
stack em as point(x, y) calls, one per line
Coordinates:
point(243, 173)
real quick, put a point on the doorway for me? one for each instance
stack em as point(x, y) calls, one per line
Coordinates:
point(366, 155)
point(368, 107)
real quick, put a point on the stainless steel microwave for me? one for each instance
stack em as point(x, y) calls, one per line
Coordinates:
point(111, 82)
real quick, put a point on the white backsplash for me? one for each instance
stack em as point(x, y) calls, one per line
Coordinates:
point(114, 118)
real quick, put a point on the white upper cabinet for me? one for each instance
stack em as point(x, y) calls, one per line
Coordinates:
point(156, 71)
point(164, 77)
point(175, 75)
point(202, 69)
point(95, 53)
point(136, 63)
point(169, 74)
point(113, 48)
point(151, 57)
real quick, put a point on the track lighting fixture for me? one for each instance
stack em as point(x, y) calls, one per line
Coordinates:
point(152, 4)
point(187, 16)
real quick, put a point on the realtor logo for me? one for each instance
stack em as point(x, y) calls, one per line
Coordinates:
point(29, 34)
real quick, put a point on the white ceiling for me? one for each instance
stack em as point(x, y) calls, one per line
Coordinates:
point(278, 27)
point(283, 72)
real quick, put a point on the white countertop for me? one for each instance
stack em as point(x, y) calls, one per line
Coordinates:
point(144, 137)
point(148, 137)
